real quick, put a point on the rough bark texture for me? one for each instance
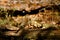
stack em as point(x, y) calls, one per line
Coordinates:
point(29, 20)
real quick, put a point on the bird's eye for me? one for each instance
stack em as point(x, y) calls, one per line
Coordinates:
point(23, 11)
